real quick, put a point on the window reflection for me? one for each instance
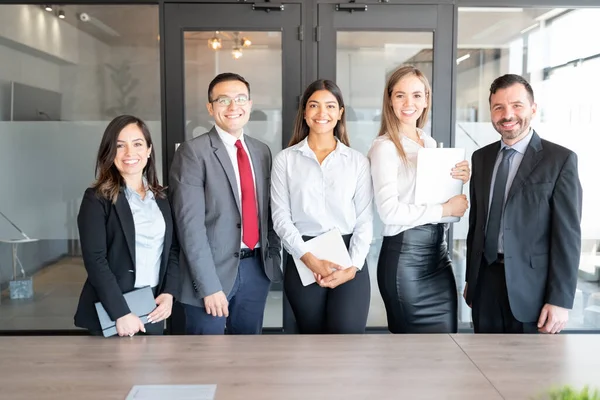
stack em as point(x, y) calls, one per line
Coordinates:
point(61, 82)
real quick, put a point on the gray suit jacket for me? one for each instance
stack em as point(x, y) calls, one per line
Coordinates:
point(542, 227)
point(207, 214)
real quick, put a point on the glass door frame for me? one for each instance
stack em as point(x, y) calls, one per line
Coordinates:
point(385, 17)
point(180, 18)
point(437, 19)
point(185, 17)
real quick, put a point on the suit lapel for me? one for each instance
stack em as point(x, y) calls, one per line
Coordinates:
point(127, 224)
point(223, 157)
point(489, 159)
point(258, 173)
point(532, 157)
point(163, 204)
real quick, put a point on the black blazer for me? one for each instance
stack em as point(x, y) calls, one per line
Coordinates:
point(542, 227)
point(107, 235)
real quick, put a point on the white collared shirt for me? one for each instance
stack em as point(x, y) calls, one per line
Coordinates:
point(150, 229)
point(229, 141)
point(394, 183)
point(309, 199)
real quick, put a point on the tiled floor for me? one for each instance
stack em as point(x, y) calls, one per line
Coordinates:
point(57, 288)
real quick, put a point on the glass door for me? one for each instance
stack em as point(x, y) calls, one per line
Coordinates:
point(261, 42)
point(359, 45)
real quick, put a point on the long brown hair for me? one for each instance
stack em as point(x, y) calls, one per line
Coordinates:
point(301, 128)
point(389, 121)
point(109, 181)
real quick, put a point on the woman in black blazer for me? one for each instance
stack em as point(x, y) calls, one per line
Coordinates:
point(126, 232)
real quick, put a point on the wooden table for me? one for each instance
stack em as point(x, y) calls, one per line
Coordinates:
point(482, 367)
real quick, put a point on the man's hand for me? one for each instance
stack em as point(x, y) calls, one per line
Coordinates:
point(217, 304)
point(552, 319)
point(164, 305)
point(465, 294)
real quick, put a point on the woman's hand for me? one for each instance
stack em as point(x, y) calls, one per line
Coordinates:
point(318, 266)
point(461, 171)
point(129, 325)
point(337, 278)
point(456, 206)
point(164, 305)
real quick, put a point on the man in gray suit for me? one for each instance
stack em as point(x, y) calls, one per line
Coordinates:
point(524, 240)
point(220, 199)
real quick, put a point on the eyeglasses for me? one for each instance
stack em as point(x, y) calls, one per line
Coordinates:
point(225, 101)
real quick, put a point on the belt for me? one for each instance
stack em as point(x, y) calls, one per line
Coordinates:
point(246, 253)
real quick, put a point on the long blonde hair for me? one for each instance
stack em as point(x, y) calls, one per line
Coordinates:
point(389, 121)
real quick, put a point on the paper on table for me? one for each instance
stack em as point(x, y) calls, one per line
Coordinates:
point(172, 392)
point(435, 185)
point(329, 246)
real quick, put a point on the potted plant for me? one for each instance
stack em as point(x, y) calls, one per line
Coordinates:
point(570, 393)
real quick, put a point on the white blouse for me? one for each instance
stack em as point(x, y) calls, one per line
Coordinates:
point(394, 184)
point(309, 199)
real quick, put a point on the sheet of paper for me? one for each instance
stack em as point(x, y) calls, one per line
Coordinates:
point(435, 185)
point(329, 246)
point(172, 392)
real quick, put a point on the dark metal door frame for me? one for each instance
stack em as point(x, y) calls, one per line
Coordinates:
point(437, 19)
point(179, 18)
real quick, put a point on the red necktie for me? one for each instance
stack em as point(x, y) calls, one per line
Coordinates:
point(249, 213)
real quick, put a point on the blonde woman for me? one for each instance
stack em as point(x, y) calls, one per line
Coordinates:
point(414, 270)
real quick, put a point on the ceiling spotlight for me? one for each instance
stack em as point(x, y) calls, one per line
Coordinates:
point(61, 14)
point(236, 52)
point(214, 43)
point(48, 8)
point(245, 42)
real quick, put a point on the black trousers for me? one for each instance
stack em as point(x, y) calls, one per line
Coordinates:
point(415, 278)
point(323, 310)
point(491, 307)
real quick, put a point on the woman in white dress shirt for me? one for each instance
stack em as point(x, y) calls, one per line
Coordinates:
point(414, 270)
point(319, 183)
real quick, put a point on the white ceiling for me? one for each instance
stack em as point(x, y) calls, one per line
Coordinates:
point(138, 25)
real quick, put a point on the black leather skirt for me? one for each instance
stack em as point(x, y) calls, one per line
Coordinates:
point(416, 281)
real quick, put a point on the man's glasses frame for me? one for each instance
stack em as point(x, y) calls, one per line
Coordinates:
point(225, 101)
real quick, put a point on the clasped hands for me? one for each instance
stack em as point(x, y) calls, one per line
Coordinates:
point(328, 274)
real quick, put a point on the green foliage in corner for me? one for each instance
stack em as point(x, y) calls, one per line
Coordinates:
point(570, 393)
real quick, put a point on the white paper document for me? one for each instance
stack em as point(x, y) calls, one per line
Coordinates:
point(435, 185)
point(329, 246)
point(172, 392)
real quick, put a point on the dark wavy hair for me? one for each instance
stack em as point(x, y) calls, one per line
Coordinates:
point(109, 181)
point(301, 128)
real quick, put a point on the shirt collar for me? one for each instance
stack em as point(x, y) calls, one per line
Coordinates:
point(521, 145)
point(129, 192)
point(305, 149)
point(228, 138)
